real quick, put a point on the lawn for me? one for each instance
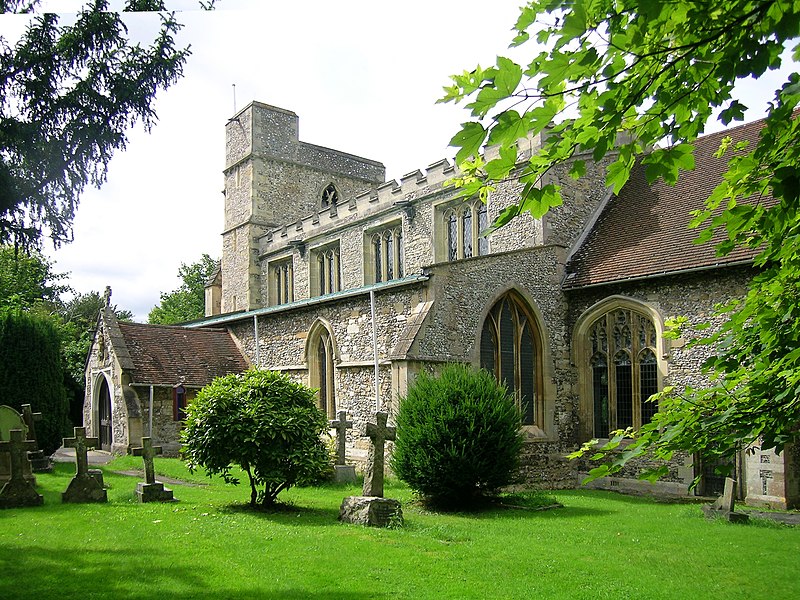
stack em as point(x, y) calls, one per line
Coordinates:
point(209, 545)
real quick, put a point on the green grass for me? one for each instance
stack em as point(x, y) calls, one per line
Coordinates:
point(209, 545)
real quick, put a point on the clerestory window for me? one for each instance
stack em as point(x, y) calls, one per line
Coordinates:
point(281, 283)
point(329, 197)
point(386, 253)
point(463, 225)
point(326, 270)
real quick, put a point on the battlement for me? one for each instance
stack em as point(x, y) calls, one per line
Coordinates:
point(384, 196)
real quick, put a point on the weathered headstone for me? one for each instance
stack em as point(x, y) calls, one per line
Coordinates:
point(85, 486)
point(343, 473)
point(151, 490)
point(723, 507)
point(18, 491)
point(40, 463)
point(10, 420)
point(372, 508)
point(378, 432)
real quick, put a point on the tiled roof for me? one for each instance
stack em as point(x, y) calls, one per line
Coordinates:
point(643, 232)
point(167, 355)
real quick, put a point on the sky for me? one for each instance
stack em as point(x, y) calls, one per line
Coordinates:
point(363, 76)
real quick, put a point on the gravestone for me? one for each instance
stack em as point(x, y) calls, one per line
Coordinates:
point(10, 420)
point(372, 508)
point(342, 473)
point(17, 491)
point(40, 463)
point(86, 486)
point(151, 490)
point(723, 508)
point(378, 432)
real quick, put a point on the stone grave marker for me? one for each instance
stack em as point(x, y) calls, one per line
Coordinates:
point(378, 432)
point(39, 462)
point(85, 486)
point(372, 508)
point(151, 490)
point(343, 473)
point(724, 506)
point(18, 491)
point(10, 420)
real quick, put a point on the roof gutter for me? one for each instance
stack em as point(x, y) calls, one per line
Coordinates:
point(317, 300)
point(738, 263)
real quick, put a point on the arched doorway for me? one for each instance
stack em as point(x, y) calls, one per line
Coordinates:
point(104, 415)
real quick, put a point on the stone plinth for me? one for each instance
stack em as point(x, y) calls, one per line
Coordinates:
point(83, 489)
point(17, 493)
point(344, 473)
point(372, 511)
point(153, 492)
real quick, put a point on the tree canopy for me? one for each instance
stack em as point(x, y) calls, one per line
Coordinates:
point(187, 303)
point(70, 93)
point(628, 80)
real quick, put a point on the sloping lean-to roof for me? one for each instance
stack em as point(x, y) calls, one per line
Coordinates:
point(168, 355)
point(643, 232)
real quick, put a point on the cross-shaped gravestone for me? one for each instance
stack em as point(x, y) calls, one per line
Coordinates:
point(341, 425)
point(378, 432)
point(18, 447)
point(81, 443)
point(18, 491)
point(148, 452)
point(39, 461)
point(84, 487)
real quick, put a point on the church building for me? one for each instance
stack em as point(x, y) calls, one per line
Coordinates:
point(353, 285)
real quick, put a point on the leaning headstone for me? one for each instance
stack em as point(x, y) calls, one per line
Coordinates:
point(10, 420)
point(723, 507)
point(40, 463)
point(85, 486)
point(18, 491)
point(372, 508)
point(342, 473)
point(151, 490)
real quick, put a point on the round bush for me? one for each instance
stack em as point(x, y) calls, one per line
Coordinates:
point(263, 422)
point(458, 437)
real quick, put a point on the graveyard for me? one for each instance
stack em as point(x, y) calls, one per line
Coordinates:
point(210, 544)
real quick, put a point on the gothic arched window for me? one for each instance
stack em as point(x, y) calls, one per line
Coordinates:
point(330, 196)
point(622, 370)
point(511, 349)
point(321, 369)
point(387, 253)
point(463, 225)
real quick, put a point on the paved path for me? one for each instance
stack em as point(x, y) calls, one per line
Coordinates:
point(96, 457)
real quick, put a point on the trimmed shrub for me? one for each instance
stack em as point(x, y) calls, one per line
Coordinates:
point(263, 422)
point(459, 437)
point(31, 372)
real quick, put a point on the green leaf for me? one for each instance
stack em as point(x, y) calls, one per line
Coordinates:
point(469, 139)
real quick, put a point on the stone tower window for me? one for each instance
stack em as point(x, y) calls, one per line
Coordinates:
point(330, 196)
point(510, 348)
point(386, 253)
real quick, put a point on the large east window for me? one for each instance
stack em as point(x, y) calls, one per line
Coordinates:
point(622, 370)
point(511, 350)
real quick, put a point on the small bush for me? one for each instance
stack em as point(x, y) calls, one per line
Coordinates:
point(263, 422)
point(458, 437)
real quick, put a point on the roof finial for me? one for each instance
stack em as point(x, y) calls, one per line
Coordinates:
point(107, 297)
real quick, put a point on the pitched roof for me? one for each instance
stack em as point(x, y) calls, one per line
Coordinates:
point(643, 232)
point(168, 355)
